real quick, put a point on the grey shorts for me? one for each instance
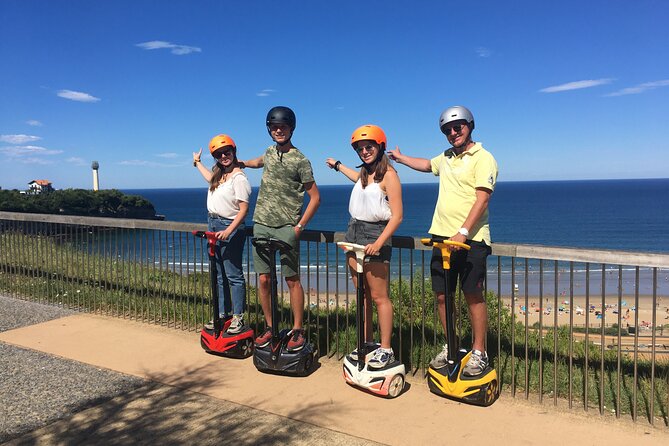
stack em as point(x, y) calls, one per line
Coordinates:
point(364, 233)
point(290, 262)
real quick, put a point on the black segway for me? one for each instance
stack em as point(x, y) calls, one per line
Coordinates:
point(449, 381)
point(216, 340)
point(275, 357)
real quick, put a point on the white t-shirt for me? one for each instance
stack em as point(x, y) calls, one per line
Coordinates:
point(369, 204)
point(224, 200)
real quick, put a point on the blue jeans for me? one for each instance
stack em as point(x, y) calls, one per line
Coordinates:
point(231, 282)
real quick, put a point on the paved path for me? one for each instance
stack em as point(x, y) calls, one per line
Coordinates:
point(188, 396)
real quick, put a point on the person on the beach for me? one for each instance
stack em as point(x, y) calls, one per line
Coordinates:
point(287, 175)
point(227, 206)
point(467, 176)
point(376, 213)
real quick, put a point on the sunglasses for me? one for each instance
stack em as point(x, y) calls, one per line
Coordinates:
point(282, 127)
point(367, 147)
point(221, 153)
point(457, 128)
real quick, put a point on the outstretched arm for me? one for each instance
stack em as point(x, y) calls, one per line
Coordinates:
point(419, 164)
point(206, 173)
point(351, 174)
point(255, 163)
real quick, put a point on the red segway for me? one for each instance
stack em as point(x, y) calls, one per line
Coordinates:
point(216, 340)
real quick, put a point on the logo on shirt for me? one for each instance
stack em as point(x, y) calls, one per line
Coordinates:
point(491, 180)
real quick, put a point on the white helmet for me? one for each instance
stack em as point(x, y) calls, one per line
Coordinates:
point(457, 113)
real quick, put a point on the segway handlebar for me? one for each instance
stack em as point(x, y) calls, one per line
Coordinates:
point(358, 250)
point(271, 243)
point(211, 240)
point(444, 245)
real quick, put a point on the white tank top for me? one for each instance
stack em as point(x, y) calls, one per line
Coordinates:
point(224, 200)
point(369, 204)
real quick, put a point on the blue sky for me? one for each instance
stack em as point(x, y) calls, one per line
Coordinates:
point(559, 90)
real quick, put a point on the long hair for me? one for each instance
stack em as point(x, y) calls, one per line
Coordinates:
point(217, 171)
point(378, 168)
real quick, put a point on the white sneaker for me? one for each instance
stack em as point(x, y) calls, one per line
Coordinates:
point(441, 359)
point(381, 358)
point(478, 362)
point(236, 325)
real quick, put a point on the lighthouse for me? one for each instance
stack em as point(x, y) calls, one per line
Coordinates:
point(96, 182)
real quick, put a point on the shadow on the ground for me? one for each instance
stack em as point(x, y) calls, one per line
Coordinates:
point(182, 414)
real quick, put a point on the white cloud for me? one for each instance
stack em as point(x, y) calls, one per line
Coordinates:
point(483, 52)
point(22, 153)
point(19, 139)
point(32, 160)
point(34, 123)
point(77, 96)
point(576, 85)
point(174, 48)
point(640, 88)
point(168, 155)
point(145, 163)
point(265, 92)
point(76, 161)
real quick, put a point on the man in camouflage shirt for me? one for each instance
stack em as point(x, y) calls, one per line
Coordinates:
point(287, 174)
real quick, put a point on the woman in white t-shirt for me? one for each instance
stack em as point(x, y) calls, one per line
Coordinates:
point(376, 213)
point(227, 205)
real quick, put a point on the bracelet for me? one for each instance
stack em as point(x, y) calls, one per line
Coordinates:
point(336, 166)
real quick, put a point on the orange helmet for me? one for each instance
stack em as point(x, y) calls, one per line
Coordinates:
point(371, 133)
point(220, 141)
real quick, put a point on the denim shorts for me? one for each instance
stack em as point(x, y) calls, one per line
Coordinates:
point(365, 233)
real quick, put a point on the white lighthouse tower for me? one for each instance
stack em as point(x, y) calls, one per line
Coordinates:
point(96, 181)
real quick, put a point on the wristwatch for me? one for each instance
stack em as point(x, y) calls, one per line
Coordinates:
point(299, 226)
point(464, 232)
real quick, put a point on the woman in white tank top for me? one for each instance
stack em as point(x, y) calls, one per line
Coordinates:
point(376, 213)
point(227, 206)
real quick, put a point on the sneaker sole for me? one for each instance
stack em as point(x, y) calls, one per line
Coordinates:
point(295, 349)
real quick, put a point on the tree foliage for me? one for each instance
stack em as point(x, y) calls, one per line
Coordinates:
point(104, 203)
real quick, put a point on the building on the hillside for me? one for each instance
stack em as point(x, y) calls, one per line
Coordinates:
point(39, 186)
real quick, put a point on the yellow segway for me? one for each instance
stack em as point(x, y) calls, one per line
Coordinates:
point(449, 381)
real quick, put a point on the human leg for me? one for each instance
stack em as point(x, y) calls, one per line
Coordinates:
point(473, 285)
point(232, 262)
point(376, 278)
point(224, 300)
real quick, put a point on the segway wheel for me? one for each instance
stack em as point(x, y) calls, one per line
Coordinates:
point(308, 362)
point(396, 386)
point(246, 348)
point(491, 393)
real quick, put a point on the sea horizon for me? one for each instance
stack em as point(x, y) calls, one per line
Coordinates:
point(625, 214)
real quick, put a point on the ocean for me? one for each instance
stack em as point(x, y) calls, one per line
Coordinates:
point(629, 215)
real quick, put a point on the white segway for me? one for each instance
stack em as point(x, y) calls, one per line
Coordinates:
point(387, 381)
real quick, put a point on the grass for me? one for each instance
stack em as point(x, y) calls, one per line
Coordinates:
point(59, 272)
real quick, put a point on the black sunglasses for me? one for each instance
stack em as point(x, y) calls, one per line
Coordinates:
point(457, 128)
point(221, 153)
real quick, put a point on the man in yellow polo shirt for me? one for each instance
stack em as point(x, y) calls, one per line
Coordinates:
point(467, 176)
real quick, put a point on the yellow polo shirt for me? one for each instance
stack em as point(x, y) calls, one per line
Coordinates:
point(459, 176)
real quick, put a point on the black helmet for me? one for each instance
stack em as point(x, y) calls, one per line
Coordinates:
point(281, 115)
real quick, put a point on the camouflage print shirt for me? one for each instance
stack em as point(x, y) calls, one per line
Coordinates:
point(281, 194)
